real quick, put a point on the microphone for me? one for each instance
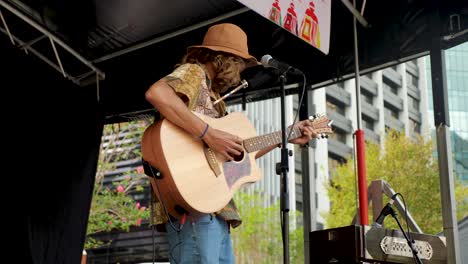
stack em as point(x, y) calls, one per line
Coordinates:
point(244, 84)
point(259, 76)
point(268, 61)
point(385, 211)
point(253, 77)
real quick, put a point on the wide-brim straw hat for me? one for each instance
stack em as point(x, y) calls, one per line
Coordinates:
point(229, 38)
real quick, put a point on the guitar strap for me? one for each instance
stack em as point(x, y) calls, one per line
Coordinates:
point(152, 172)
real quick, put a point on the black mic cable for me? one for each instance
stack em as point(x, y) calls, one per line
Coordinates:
point(408, 240)
point(385, 211)
point(388, 210)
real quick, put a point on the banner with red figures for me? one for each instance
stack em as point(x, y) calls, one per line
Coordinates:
point(309, 20)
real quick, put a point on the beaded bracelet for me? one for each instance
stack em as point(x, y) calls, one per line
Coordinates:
point(204, 132)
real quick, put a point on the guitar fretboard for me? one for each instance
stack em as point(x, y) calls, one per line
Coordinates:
point(264, 141)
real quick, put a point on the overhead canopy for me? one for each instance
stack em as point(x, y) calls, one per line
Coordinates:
point(131, 44)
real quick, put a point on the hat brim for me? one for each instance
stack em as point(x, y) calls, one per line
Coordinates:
point(250, 60)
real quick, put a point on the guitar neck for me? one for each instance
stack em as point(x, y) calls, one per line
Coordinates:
point(260, 142)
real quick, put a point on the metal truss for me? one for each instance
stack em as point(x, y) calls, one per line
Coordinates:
point(56, 63)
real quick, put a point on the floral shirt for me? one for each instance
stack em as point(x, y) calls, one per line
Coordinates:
point(190, 82)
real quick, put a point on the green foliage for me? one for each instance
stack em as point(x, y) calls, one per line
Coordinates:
point(258, 239)
point(410, 169)
point(113, 207)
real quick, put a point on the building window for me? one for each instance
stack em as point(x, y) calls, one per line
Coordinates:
point(367, 97)
point(415, 127)
point(411, 79)
point(338, 135)
point(333, 164)
point(331, 107)
point(340, 84)
point(392, 112)
point(367, 123)
point(390, 87)
point(413, 103)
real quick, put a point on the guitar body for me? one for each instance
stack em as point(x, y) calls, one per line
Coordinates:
point(188, 181)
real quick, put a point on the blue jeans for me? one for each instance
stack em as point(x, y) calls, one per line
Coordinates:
point(206, 241)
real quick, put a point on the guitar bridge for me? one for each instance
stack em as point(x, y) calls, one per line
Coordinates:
point(212, 160)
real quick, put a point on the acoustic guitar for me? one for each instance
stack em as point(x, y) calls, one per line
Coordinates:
point(193, 179)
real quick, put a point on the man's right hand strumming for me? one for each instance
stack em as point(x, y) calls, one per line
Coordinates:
point(224, 143)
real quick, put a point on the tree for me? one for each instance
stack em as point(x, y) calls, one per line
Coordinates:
point(410, 169)
point(258, 239)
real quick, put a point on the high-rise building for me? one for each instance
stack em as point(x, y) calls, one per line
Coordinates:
point(395, 97)
point(456, 62)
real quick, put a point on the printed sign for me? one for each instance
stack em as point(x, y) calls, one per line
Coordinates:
point(309, 20)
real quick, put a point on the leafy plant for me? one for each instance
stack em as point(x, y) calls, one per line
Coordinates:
point(114, 209)
point(410, 169)
point(258, 239)
point(113, 206)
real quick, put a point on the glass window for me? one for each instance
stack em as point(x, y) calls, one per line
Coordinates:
point(415, 127)
point(335, 107)
point(390, 87)
point(412, 79)
point(392, 112)
point(338, 135)
point(413, 103)
point(366, 97)
point(368, 123)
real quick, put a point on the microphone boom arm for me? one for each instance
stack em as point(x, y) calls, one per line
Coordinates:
point(243, 84)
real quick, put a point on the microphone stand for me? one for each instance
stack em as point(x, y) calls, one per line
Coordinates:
point(282, 169)
point(410, 243)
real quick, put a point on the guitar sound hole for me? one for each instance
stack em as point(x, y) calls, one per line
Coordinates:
point(239, 157)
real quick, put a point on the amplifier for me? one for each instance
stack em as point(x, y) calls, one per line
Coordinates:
point(368, 244)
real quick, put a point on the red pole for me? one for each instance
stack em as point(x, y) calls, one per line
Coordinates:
point(362, 182)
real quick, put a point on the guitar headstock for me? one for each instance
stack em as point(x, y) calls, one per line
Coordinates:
point(322, 125)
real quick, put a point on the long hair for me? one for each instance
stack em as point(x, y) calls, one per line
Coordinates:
point(227, 67)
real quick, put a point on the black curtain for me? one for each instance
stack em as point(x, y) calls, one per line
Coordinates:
point(52, 136)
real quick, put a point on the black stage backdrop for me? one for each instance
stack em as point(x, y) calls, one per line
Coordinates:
point(53, 132)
